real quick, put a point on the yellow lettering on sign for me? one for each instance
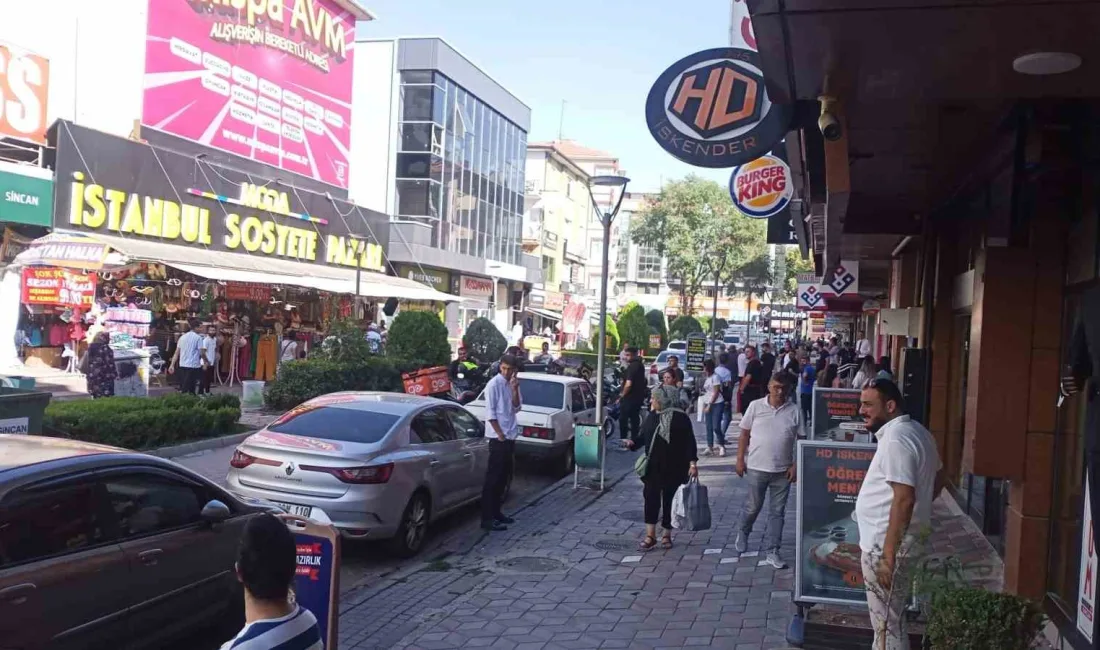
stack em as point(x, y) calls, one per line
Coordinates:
point(171, 229)
point(233, 237)
point(270, 239)
point(93, 197)
point(132, 220)
point(76, 199)
point(318, 26)
point(334, 251)
point(310, 252)
point(154, 217)
point(251, 233)
point(372, 257)
point(281, 234)
point(262, 198)
point(115, 199)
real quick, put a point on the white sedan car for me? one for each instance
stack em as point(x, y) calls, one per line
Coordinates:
point(552, 404)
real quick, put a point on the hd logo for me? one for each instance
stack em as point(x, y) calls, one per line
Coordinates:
point(718, 98)
point(842, 280)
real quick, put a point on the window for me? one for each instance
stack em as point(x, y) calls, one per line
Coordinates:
point(549, 394)
point(150, 503)
point(422, 137)
point(548, 266)
point(576, 398)
point(416, 103)
point(430, 427)
point(334, 423)
point(589, 396)
point(40, 523)
point(466, 425)
point(649, 263)
point(417, 198)
point(416, 76)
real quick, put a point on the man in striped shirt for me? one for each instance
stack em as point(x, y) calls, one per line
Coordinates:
point(265, 566)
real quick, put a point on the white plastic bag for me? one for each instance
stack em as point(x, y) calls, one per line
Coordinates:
point(678, 510)
point(699, 405)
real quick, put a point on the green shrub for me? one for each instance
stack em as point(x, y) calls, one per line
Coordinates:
point(632, 327)
point(345, 342)
point(720, 325)
point(684, 325)
point(704, 322)
point(144, 422)
point(612, 336)
point(420, 338)
point(582, 346)
point(975, 619)
point(656, 320)
point(299, 381)
point(484, 341)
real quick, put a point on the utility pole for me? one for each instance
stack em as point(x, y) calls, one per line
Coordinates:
point(561, 120)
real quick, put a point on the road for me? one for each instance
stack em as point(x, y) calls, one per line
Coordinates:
point(365, 562)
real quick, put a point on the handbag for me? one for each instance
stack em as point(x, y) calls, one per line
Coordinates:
point(82, 365)
point(679, 513)
point(642, 464)
point(696, 506)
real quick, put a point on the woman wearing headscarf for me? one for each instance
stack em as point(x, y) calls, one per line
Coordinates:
point(101, 371)
point(668, 440)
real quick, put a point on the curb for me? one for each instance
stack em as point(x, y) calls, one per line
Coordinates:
point(398, 575)
point(188, 448)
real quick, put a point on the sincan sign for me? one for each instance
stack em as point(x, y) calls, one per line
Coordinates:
point(710, 109)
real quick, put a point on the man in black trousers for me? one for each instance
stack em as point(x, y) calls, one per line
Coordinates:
point(502, 402)
point(634, 392)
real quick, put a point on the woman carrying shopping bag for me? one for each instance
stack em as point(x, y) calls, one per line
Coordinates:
point(670, 456)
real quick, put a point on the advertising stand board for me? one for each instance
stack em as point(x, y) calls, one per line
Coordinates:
point(827, 553)
point(836, 416)
point(696, 352)
point(317, 578)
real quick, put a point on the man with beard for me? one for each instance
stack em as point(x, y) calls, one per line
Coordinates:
point(894, 507)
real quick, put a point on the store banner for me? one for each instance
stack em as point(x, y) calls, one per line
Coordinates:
point(841, 281)
point(434, 278)
point(474, 287)
point(249, 291)
point(70, 251)
point(26, 196)
point(1086, 581)
point(116, 186)
point(12, 245)
point(24, 90)
point(57, 287)
point(554, 301)
point(827, 553)
point(269, 80)
point(836, 415)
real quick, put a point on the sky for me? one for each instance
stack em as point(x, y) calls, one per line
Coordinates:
point(598, 56)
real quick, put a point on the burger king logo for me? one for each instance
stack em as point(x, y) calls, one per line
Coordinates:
point(761, 188)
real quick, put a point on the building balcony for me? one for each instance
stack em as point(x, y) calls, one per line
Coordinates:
point(534, 268)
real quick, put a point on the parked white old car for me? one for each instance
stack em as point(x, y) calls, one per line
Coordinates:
point(552, 404)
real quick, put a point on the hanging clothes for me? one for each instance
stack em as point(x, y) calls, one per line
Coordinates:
point(244, 357)
point(266, 361)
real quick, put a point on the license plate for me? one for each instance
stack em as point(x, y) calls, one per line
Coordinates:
point(295, 509)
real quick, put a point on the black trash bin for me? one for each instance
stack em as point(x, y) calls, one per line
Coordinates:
point(21, 411)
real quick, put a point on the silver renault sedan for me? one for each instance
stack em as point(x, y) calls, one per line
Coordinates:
point(377, 465)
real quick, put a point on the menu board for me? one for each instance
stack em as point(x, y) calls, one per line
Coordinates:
point(836, 416)
point(827, 553)
point(696, 352)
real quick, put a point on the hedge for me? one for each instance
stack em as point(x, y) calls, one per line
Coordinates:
point(144, 422)
point(300, 381)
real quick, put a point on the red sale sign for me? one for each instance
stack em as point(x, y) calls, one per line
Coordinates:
point(57, 287)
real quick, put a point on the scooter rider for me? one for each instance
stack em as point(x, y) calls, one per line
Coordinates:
point(461, 365)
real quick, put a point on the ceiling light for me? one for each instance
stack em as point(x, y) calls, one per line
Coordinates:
point(1045, 63)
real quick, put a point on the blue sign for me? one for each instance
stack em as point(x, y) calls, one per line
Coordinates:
point(316, 581)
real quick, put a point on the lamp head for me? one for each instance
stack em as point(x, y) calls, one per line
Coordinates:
point(609, 181)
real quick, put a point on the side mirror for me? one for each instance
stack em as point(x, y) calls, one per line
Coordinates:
point(215, 512)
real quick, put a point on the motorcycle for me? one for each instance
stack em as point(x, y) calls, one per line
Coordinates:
point(468, 383)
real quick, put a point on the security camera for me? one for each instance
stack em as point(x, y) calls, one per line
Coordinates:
point(827, 123)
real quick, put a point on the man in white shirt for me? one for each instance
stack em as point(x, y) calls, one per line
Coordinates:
point(189, 357)
point(765, 456)
point(502, 402)
point(894, 507)
point(210, 359)
point(863, 348)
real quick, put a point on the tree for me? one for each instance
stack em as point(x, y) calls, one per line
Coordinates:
point(656, 320)
point(632, 327)
point(683, 326)
point(612, 337)
point(753, 279)
point(420, 338)
point(693, 224)
point(720, 325)
point(484, 341)
point(787, 287)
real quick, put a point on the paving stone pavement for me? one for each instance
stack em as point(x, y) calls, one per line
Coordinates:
point(568, 575)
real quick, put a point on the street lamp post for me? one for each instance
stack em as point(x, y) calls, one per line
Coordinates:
point(605, 220)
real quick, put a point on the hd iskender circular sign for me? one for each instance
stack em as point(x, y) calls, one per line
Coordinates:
point(710, 109)
point(762, 187)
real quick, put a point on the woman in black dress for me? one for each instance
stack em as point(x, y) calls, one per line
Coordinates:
point(668, 439)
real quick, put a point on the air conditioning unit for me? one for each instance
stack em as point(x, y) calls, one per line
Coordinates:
point(899, 322)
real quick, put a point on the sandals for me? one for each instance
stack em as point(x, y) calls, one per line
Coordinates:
point(666, 541)
point(648, 544)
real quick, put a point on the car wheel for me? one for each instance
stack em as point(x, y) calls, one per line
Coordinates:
point(568, 460)
point(414, 526)
point(608, 427)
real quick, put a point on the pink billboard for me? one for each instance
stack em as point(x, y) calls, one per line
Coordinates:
point(270, 81)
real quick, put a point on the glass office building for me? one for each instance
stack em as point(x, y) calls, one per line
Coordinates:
point(459, 168)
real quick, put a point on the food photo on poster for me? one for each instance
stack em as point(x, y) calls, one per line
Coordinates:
point(827, 567)
point(269, 80)
point(836, 416)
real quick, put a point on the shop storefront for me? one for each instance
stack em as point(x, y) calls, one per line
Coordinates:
point(477, 295)
point(169, 238)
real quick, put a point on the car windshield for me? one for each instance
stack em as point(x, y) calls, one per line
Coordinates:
point(663, 357)
point(335, 423)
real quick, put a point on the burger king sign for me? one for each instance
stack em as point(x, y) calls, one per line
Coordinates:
point(762, 187)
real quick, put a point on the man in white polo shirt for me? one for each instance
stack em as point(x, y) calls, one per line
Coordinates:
point(894, 507)
point(502, 402)
point(765, 456)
